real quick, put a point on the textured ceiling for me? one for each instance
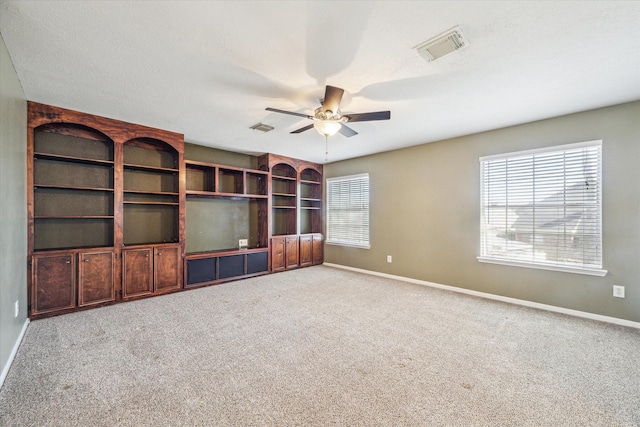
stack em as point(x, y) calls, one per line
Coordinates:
point(209, 69)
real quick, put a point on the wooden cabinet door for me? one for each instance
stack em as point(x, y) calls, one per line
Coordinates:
point(291, 251)
point(318, 249)
point(166, 268)
point(53, 283)
point(137, 272)
point(277, 253)
point(306, 257)
point(95, 277)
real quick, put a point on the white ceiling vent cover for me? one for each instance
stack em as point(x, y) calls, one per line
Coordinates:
point(262, 127)
point(443, 44)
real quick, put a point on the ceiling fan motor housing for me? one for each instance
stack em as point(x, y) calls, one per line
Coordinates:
point(322, 114)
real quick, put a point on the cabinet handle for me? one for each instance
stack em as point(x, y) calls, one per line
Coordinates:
point(147, 255)
point(67, 262)
point(85, 260)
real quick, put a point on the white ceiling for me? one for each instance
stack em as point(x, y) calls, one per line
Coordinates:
point(209, 69)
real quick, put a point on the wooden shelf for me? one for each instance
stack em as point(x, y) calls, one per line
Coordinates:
point(150, 168)
point(158, 193)
point(218, 181)
point(221, 252)
point(72, 159)
point(214, 195)
point(74, 217)
point(283, 178)
point(150, 203)
point(69, 187)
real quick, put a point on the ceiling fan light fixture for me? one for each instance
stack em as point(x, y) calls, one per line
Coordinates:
point(327, 127)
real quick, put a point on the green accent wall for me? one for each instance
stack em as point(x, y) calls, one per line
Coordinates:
point(13, 215)
point(425, 213)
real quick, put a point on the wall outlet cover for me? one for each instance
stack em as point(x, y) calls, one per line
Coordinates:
point(618, 291)
point(243, 243)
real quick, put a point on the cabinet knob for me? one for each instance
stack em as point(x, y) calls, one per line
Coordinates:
point(147, 255)
point(159, 253)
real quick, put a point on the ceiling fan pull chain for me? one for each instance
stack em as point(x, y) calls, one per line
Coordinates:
point(326, 148)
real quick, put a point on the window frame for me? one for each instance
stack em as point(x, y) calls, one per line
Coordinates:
point(553, 266)
point(330, 239)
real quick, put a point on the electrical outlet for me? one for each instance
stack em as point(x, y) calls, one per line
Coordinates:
point(618, 291)
point(243, 243)
point(16, 309)
point(389, 258)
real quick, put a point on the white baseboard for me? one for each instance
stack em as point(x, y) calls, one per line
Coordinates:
point(516, 301)
point(5, 370)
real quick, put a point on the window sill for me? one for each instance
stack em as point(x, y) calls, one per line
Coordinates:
point(351, 245)
point(587, 271)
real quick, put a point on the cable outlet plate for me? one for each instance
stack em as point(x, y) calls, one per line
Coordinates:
point(243, 243)
point(618, 291)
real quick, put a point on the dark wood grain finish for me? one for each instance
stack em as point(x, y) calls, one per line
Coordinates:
point(68, 137)
point(318, 249)
point(166, 268)
point(53, 283)
point(267, 161)
point(137, 272)
point(95, 277)
point(301, 217)
point(116, 130)
point(306, 247)
point(291, 251)
point(277, 253)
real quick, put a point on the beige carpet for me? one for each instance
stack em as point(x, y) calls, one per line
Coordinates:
point(321, 346)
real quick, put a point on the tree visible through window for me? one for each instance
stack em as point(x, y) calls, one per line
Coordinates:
point(348, 210)
point(543, 207)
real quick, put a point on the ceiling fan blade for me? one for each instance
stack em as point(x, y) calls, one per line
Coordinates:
point(368, 117)
point(291, 113)
point(307, 127)
point(347, 131)
point(332, 98)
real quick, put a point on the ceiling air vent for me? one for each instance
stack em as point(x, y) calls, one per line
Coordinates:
point(442, 45)
point(262, 127)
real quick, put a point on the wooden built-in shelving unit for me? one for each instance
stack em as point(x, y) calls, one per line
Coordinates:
point(108, 203)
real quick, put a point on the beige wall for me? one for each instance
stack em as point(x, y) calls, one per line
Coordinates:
point(425, 213)
point(13, 215)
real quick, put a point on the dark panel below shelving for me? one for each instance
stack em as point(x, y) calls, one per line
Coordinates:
point(230, 266)
point(257, 262)
point(201, 270)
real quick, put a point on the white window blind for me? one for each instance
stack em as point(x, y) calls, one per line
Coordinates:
point(348, 210)
point(542, 208)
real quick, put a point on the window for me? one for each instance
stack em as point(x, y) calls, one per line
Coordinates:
point(542, 208)
point(348, 210)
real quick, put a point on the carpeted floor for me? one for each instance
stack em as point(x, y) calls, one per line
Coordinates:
point(322, 346)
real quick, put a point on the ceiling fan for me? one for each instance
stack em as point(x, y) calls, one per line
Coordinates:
point(328, 120)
